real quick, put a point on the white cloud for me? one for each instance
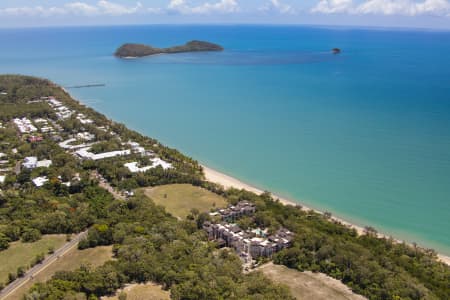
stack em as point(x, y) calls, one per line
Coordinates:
point(114, 9)
point(31, 11)
point(222, 6)
point(384, 7)
point(277, 6)
point(404, 7)
point(81, 8)
point(102, 7)
point(332, 6)
point(177, 4)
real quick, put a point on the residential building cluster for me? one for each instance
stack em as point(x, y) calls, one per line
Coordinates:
point(62, 111)
point(235, 212)
point(24, 125)
point(31, 162)
point(248, 244)
point(44, 126)
point(83, 119)
point(78, 144)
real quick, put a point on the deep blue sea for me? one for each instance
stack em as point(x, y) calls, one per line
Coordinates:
point(364, 134)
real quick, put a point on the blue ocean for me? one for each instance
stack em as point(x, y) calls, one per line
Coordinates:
point(364, 134)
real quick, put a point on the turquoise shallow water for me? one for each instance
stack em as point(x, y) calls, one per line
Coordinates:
point(364, 134)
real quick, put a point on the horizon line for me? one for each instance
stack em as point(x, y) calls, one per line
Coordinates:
point(243, 24)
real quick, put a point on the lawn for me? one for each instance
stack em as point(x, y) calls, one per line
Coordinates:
point(308, 285)
point(22, 254)
point(179, 199)
point(149, 291)
point(70, 261)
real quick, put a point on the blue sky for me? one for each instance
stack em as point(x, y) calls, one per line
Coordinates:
point(383, 13)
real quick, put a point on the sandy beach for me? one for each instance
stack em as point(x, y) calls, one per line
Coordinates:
point(228, 181)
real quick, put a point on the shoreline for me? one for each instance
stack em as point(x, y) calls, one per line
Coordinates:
point(229, 181)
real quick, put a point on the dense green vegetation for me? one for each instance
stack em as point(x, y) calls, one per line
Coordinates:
point(376, 268)
point(152, 245)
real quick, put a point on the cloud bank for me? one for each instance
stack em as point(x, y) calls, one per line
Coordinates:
point(384, 7)
point(187, 7)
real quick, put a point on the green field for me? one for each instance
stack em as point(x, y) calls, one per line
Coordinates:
point(179, 199)
point(22, 254)
point(147, 291)
point(72, 260)
point(308, 285)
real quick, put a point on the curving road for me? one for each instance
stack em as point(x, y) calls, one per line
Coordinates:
point(29, 275)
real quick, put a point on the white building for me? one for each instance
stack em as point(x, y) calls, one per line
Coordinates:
point(87, 136)
point(136, 147)
point(43, 124)
point(134, 168)
point(159, 162)
point(85, 154)
point(83, 120)
point(30, 162)
point(24, 125)
point(53, 102)
point(44, 163)
point(40, 120)
point(2, 179)
point(40, 181)
point(67, 144)
point(63, 112)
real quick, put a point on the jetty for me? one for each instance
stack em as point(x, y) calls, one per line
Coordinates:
point(86, 86)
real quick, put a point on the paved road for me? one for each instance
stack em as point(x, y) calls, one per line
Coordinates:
point(29, 275)
point(61, 251)
point(105, 184)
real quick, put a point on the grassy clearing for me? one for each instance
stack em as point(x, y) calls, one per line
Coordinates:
point(22, 254)
point(149, 291)
point(179, 199)
point(70, 261)
point(308, 285)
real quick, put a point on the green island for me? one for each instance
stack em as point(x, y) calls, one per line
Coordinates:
point(162, 228)
point(139, 50)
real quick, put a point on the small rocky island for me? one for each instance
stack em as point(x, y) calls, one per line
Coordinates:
point(336, 50)
point(140, 50)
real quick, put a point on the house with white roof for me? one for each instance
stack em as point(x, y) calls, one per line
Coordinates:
point(24, 125)
point(134, 168)
point(40, 181)
point(85, 154)
point(53, 102)
point(83, 120)
point(159, 162)
point(87, 136)
point(46, 163)
point(30, 162)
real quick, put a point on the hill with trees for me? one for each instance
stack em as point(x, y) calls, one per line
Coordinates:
point(140, 50)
